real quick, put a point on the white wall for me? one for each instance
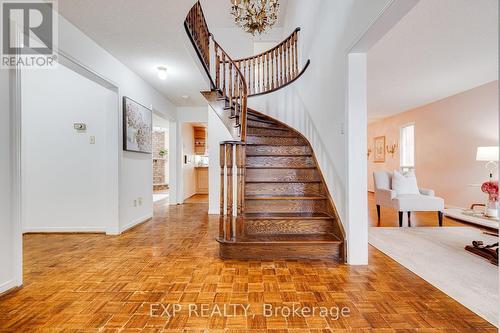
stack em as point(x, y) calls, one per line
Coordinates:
point(240, 44)
point(135, 169)
point(65, 185)
point(316, 103)
point(8, 262)
point(217, 132)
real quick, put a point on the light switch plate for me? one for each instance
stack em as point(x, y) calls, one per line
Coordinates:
point(80, 126)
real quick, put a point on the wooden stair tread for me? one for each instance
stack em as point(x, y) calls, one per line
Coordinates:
point(280, 167)
point(285, 197)
point(276, 128)
point(291, 216)
point(284, 181)
point(290, 238)
point(260, 120)
point(278, 155)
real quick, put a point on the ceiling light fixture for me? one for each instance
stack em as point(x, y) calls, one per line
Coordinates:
point(185, 96)
point(162, 72)
point(255, 15)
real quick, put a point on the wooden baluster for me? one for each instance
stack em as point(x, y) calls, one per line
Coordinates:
point(296, 36)
point(217, 68)
point(281, 64)
point(222, 158)
point(289, 53)
point(224, 74)
point(268, 55)
point(293, 55)
point(239, 190)
point(229, 202)
point(230, 93)
point(253, 70)
point(273, 58)
point(258, 75)
point(243, 164)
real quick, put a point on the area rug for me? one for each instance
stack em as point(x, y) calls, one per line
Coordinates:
point(437, 255)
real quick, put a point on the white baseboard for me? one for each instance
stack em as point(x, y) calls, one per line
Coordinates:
point(6, 286)
point(136, 222)
point(65, 229)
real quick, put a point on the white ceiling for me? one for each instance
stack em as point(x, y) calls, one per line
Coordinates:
point(146, 34)
point(440, 48)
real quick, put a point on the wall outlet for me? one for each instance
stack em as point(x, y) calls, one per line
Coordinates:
point(92, 140)
point(135, 203)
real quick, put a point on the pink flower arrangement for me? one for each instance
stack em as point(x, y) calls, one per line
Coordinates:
point(492, 189)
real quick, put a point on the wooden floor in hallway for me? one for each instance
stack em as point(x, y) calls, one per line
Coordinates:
point(90, 283)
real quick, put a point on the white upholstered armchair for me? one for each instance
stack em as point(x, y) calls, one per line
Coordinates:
point(404, 196)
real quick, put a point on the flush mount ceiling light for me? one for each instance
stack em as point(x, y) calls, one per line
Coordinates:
point(185, 96)
point(255, 16)
point(162, 72)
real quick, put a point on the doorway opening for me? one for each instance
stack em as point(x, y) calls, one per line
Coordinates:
point(161, 144)
point(195, 163)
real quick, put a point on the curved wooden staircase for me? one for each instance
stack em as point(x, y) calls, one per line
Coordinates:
point(282, 208)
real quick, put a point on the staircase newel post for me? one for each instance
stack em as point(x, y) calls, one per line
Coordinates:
point(229, 203)
point(222, 158)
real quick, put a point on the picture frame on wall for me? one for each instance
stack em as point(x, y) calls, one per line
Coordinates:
point(137, 127)
point(379, 149)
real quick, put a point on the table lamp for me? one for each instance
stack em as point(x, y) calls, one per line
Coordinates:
point(489, 155)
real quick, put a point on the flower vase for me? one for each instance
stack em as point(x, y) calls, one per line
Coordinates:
point(491, 209)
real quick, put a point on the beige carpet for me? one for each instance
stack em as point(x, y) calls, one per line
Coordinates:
point(437, 255)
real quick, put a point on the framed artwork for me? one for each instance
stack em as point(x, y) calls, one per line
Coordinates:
point(379, 146)
point(137, 127)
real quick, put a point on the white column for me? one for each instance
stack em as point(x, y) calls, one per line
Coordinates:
point(357, 202)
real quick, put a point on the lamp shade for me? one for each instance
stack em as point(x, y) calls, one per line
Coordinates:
point(487, 153)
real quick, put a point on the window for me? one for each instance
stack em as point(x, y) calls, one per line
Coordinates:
point(407, 150)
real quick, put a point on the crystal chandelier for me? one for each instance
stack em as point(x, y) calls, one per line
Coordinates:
point(255, 15)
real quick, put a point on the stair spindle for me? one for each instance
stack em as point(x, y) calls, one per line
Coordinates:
point(229, 202)
point(222, 158)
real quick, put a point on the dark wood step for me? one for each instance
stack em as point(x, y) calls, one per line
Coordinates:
point(285, 205)
point(269, 131)
point(300, 196)
point(280, 161)
point(282, 175)
point(279, 216)
point(260, 124)
point(275, 140)
point(261, 120)
point(320, 246)
point(283, 188)
point(264, 150)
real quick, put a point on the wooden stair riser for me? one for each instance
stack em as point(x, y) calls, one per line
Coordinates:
point(282, 175)
point(276, 206)
point(283, 188)
point(288, 226)
point(275, 140)
point(278, 150)
point(271, 251)
point(280, 161)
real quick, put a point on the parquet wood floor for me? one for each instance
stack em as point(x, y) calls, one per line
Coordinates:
point(92, 282)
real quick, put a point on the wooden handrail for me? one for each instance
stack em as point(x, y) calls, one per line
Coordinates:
point(197, 31)
point(229, 80)
point(273, 69)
